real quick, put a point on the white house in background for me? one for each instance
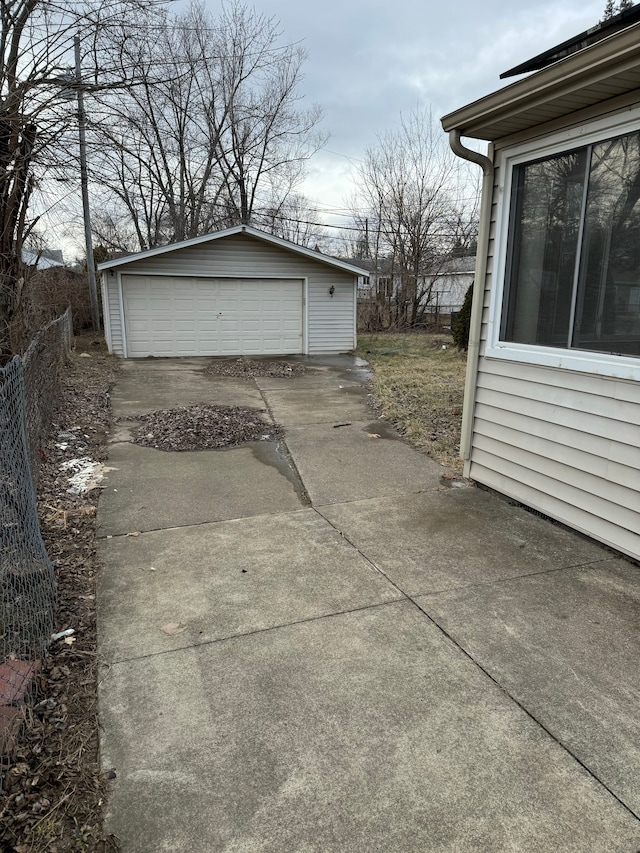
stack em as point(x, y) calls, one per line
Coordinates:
point(451, 284)
point(444, 290)
point(235, 292)
point(43, 260)
point(552, 402)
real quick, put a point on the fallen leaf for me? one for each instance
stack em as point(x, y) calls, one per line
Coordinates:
point(69, 640)
point(173, 628)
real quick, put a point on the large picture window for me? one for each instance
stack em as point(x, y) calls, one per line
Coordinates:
point(573, 264)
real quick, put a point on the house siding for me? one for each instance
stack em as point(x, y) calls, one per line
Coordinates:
point(112, 292)
point(562, 442)
point(330, 318)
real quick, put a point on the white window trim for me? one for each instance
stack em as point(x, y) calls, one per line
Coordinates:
point(600, 364)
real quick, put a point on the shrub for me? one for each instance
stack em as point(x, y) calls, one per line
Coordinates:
point(46, 295)
point(462, 323)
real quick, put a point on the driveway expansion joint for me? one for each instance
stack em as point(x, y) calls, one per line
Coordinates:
point(243, 635)
point(506, 580)
point(524, 708)
point(301, 489)
point(412, 598)
point(109, 536)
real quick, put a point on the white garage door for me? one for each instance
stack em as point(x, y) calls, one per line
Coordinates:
point(173, 316)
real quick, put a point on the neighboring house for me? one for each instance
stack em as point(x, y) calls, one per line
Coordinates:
point(552, 403)
point(444, 290)
point(44, 259)
point(451, 284)
point(235, 292)
point(378, 278)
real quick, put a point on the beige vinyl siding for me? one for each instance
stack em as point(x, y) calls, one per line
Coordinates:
point(330, 318)
point(562, 442)
point(567, 444)
point(115, 315)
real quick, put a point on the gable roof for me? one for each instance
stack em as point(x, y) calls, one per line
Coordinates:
point(43, 260)
point(228, 232)
point(606, 70)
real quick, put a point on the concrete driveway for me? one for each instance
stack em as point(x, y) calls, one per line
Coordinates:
point(367, 660)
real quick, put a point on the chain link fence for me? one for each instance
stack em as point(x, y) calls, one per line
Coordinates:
point(29, 393)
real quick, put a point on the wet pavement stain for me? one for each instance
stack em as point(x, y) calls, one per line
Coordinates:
point(384, 430)
point(275, 454)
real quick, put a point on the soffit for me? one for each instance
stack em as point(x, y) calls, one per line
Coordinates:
point(592, 76)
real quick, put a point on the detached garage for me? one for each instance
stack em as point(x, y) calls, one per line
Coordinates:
point(235, 292)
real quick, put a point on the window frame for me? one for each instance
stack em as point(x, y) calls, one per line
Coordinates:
point(584, 361)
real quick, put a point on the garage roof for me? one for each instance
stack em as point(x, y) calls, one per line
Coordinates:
point(228, 232)
point(597, 73)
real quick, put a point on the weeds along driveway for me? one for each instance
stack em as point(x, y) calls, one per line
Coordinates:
point(314, 645)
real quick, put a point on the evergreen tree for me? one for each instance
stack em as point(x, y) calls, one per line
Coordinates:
point(462, 323)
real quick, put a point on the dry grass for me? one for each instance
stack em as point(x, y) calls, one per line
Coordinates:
point(419, 386)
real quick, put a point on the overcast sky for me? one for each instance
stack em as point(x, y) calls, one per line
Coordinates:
point(370, 60)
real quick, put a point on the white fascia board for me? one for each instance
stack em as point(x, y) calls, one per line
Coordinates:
point(228, 232)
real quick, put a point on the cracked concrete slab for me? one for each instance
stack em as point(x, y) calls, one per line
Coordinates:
point(151, 489)
point(319, 405)
point(228, 578)
point(304, 707)
point(365, 731)
point(361, 459)
point(450, 538)
point(151, 385)
point(339, 375)
point(567, 646)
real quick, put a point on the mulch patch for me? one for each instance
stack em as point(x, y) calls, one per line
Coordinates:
point(203, 427)
point(255, 368)
point(53, 794)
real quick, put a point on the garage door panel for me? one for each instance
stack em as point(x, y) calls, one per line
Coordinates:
point(168, 316)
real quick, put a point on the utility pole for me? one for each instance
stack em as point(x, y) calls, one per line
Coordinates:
point(84, 181)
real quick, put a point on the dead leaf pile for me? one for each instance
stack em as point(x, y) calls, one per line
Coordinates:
point(255, 368)
point(204, 428)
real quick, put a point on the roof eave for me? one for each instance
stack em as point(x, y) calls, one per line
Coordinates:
point(571, 74)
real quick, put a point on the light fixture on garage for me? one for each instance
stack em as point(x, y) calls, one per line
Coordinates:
point(332, 290)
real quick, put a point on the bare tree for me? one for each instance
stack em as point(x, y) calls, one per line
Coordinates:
point(211, 127)
point(293, 219)
point(36, 111)
point(411, 190)
point(113, 231)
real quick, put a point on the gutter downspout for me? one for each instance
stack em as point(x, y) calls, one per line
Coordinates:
point(479, 282)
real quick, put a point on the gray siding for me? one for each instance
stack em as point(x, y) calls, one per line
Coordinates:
point(112, 293)
point(564, 443)
point(330, 318)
